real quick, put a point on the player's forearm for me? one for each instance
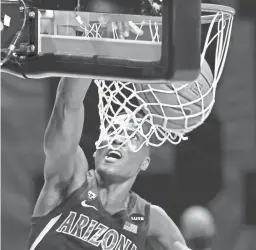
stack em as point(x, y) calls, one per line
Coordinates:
point(73, 90)
point(64, 129)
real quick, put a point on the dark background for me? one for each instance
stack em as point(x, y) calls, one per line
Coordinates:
point(216, 167)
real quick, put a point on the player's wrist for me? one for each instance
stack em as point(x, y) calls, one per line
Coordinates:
point(73, 90)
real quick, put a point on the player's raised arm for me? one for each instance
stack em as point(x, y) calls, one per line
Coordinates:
point(62, 136)
point(65, 163)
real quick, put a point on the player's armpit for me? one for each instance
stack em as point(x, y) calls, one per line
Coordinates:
point(57, 189)
point(163, 229)
point(51, 195)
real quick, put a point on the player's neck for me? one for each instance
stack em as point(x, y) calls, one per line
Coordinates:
point(114, 195)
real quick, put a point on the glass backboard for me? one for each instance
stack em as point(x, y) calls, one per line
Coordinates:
point(150, 42)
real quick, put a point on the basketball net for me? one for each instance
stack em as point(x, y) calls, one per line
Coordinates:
point(118, 97)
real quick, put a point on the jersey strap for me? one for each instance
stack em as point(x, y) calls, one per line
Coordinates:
point(145, 226)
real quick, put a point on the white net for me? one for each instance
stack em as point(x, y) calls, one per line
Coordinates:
point(160, 113)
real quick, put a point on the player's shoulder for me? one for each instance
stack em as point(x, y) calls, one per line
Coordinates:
point(158, 214)
point(161, 225)
point(139, 204)
point(88, 181)
point(154, 210)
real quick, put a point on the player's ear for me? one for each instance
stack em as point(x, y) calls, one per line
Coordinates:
point(145, 164)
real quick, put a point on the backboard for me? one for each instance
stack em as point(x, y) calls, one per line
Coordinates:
point(84, 40)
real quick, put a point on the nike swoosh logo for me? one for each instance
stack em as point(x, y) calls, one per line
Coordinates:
point(84, 204)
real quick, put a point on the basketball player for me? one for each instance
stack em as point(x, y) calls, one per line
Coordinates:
point(79, 209)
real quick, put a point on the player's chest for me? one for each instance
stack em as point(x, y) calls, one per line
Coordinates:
point(90, 229)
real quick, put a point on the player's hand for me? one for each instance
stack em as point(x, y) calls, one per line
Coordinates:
point(179, 246)
point(125, 28)
point(120, 29)
point(46, 19)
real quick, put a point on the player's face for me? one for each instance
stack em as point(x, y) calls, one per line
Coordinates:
point(122, 162)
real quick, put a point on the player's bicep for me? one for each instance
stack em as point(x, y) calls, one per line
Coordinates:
point(80, 171)
point(64, 129)
point(67, 167)
point(62, 137)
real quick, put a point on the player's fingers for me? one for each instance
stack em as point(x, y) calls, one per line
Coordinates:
point(46, 21)
point(179, 246)
point(103, 20)
point(110, 30)
point(45, 26)
point(120, 29)
point(126, 29)
point(135, 29)
point(157, 7)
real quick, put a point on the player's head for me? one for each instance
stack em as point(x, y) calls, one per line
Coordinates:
point(198, 227)
point(122, 162)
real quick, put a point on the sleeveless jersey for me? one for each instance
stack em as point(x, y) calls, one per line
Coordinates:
point(81, 223)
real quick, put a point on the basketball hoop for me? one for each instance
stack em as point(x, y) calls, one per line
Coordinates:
point(222, 17)
point(115, 98)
